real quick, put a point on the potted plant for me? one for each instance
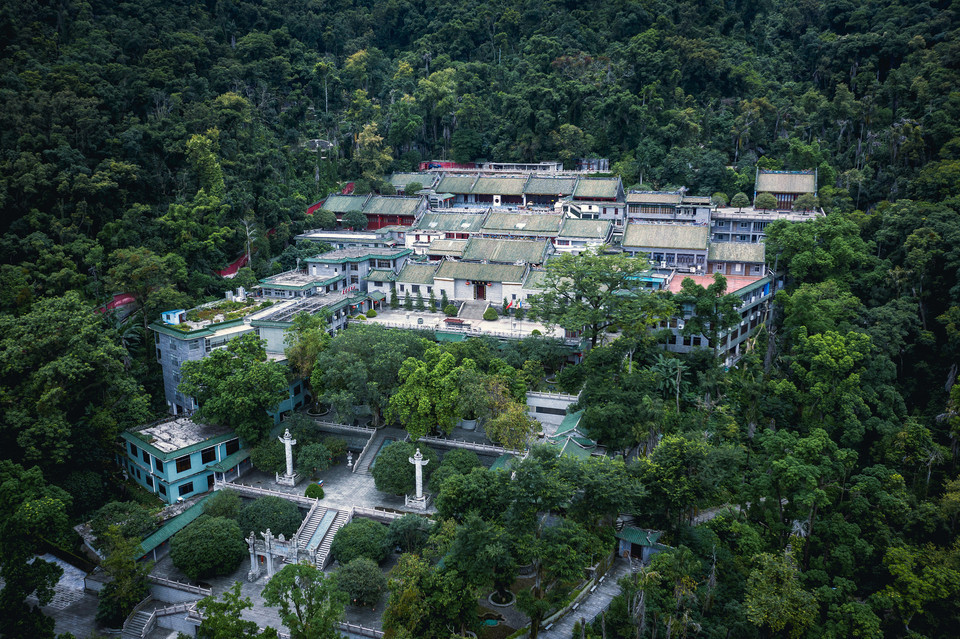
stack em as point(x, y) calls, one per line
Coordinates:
point(473, 400)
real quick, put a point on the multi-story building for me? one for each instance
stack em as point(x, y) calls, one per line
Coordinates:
point(731, 224)
point(577, 236)
point(455, 224)
point(669, 245)
point(178, 458)
point(380, 210)
point(666, 207)
point(786, 186)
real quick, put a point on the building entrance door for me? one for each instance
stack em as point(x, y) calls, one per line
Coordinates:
point(481, 291)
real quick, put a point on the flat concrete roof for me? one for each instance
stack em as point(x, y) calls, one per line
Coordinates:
point(180, 432)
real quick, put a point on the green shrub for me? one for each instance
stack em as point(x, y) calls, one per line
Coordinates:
point(269, 457)
point(535, 332)
point(361, 318)
point(490, 314)
point(360, 538)
point(223, 503)
point(314, 491)
point(208, 547)
point(362, 581)
point(371, 313)
point(275, 513)
point(450, 310)
point(336, 445)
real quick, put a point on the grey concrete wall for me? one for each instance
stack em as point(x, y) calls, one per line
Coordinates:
point(546, 407)
point(166, 594)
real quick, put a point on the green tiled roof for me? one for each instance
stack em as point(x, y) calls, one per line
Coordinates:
point(786, 182)
point(173, 526)
point(499, 186)
point(653, 197)
point(550, 186)
point(376, 296)
point(231, 461)
point(505, 251)
point(344, 203)
point(380, 275)
point(667, 236)
point(523, 223)
point(359, 254)
point(593, 229)
point(457, 184)
point(569, 423)
point(451, 222)
point(638, 536)
point(501, 462)
point(392, 205)
point(536, 279)
point(403, 179)
point(481, 272)
point(415, 273)
point(590, 188)
point(737, 252)
point(447, 247)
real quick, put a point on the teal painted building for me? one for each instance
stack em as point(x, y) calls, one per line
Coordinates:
point(179, 458)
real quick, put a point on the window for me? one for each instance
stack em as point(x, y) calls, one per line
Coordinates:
point(208, 455)
point(149, 481)
point(137, 472)
point(195, 345)
point(146, 457)
point(133, 450)
point(414, 288)
point(161, 488)
point(401, 287)
point(183, 464)
point(744, 225)
point(756, 269)
point(696, 341)
point(233, 446)
point(175, 360)
point(158, 464)
point(354, 267)
point(186, 488)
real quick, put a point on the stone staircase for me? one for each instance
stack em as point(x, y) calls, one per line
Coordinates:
point(307, 528)
point(135, 626)
point(473, 310)
point(323, 552)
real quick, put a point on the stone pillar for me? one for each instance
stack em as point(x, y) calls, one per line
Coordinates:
point(288, 443)
point(268, 550)
point(418, 501)
point(290, 478)
point(254, 566)
point(418, 461)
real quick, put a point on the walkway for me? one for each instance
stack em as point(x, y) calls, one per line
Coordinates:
point(592, 605)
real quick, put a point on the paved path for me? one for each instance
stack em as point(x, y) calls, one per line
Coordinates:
point(592, 605)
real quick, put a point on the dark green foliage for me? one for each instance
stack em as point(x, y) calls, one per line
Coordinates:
point(313, 458)
point(128, 585)
point(269, 456)
point(450, 310)
point(309, 602)
point(490, 314)
point(360, 538)
point(277, 514)
point(130, 518)
point(336, 445)
point(456, 462)
point(236, 385)
point(314, 491)
point(362, 581)
point(409, 533)
point(394, 474)
point(208, 547)
point(223, 503)
point(355, 220)
point(221, 618)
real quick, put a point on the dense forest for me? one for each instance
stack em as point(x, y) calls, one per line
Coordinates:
point(144, 146)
